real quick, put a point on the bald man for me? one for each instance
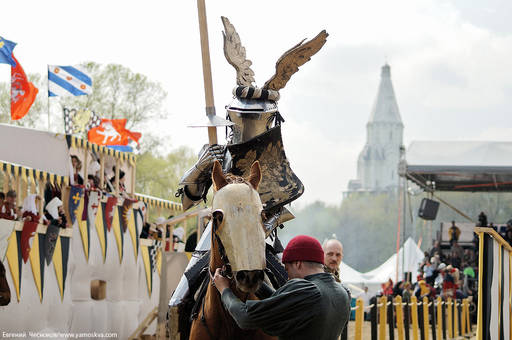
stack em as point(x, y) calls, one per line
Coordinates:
point(333, 254)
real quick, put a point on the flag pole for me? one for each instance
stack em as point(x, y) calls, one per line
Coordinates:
point(48, 94)
point(207, 70)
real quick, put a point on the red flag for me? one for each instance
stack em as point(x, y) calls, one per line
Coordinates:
point(112, 132)
point(29, 228)
point(23, 92)
point(109, 210)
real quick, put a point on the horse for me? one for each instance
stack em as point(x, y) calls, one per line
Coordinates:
point(238, 246)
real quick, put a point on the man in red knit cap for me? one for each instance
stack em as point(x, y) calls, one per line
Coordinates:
point(311, 305)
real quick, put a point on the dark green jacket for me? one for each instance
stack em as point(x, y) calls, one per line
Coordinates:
point(316, 307)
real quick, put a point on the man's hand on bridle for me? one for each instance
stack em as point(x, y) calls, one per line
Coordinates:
point(218, 281)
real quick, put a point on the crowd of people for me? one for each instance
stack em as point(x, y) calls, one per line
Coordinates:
point(447, 270)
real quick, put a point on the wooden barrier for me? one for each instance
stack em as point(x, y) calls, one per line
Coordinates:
point(399, 318)
point(414, 314)
point(425, 318)
point(428, 319)
point(439, 323)
point(449, 309)
point(359, 319)
point(382, 317)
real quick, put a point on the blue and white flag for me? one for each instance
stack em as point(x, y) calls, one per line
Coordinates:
point(68, 81)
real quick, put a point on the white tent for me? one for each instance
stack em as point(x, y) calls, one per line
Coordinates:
point(387, 270)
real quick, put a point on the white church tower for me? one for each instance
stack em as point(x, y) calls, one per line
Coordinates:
point(377, 165)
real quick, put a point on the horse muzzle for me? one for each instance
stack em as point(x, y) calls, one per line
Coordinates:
point(249, 281)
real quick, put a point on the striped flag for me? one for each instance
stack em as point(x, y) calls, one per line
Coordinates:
point(68, 81)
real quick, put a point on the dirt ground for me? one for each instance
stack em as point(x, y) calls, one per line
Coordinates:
point(367, 332)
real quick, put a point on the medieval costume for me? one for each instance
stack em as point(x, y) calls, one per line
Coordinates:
point(335, 273)
point(29, 209)
point(309, 308)
point(8, 211)
point(313, 306)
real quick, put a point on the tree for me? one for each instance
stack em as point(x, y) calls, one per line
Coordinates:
point(117, 92)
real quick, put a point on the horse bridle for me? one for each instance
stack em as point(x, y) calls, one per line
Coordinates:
point(226, 271)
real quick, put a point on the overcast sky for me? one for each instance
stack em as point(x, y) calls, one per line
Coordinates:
point(450, 65)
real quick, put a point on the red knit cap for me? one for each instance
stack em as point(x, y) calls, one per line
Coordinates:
point(303, 248)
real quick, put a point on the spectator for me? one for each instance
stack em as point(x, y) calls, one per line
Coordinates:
point(333, 254)
point(429, 270)
point(77, 167)
point(178, 235)
point(365, 296)
point(145, 231)
point(93, 182)
point(455, 259)
point(458, 250)
point(8, 210)
point(122, 187)
point(482, 219)
point(468, 286)
point(30, 209)
point(508, 235)
point(436, 248)
point(453, 233)
point(387, 288)
point(54, 213)
point(469, 257)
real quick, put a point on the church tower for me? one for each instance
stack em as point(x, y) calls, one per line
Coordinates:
point(377, 165)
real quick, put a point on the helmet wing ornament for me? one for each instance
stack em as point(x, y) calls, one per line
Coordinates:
point(235, 54)
point(292, 59)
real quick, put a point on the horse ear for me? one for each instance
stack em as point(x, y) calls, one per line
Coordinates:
point(255, 176)
point(218, 178)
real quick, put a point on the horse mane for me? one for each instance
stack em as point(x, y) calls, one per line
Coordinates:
point(232, 179)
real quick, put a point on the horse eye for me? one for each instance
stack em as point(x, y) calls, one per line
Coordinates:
point(218, 216)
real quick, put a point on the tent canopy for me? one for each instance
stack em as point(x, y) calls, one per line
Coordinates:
point(459, 165)
point(41, 150)
point(387, 270)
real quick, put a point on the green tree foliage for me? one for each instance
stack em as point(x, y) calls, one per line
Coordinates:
point(159, 174)
point(118, 92)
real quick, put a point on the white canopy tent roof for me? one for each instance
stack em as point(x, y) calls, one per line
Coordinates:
point(41, 150)
point(460, 165)
point(387, 270)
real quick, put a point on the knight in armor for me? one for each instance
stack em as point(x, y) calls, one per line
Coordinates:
point(254, 134)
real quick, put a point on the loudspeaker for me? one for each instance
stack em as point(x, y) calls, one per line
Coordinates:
point(428, 209)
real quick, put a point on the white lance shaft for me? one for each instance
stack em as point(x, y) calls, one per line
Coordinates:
point(207, 69)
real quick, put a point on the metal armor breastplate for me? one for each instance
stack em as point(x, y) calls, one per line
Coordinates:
point(279, 185)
